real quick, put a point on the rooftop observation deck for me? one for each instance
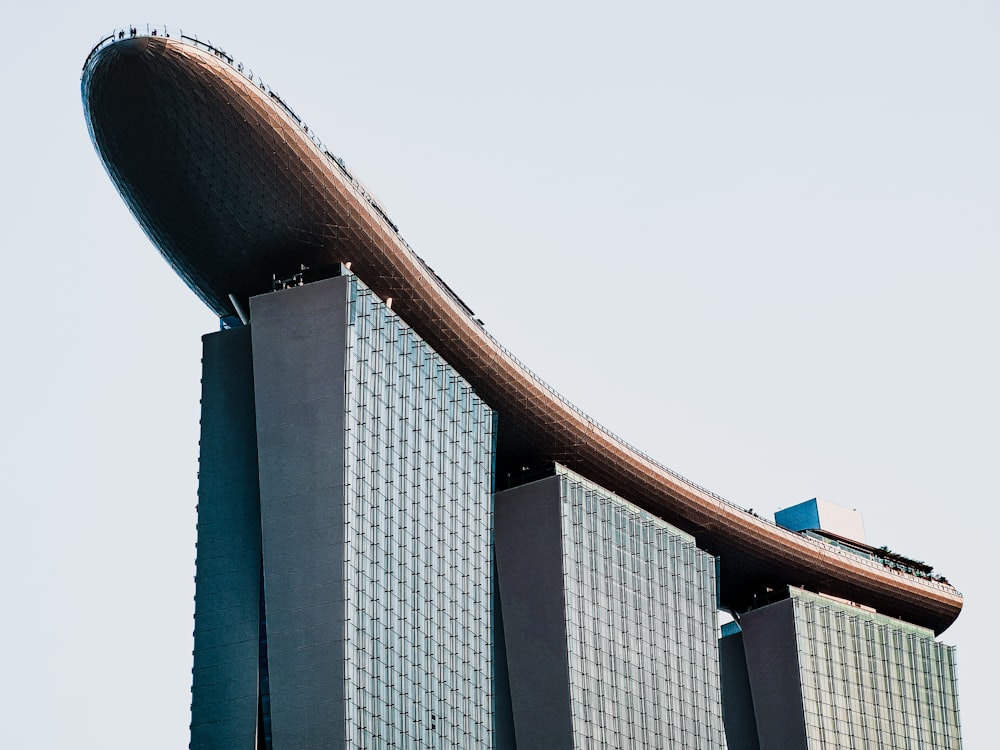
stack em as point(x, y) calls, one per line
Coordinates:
point(234, 190)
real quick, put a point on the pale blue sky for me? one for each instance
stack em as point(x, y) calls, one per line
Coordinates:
point(759, 240)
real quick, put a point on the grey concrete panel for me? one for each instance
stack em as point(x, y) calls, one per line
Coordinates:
point(292, 466)
point(218, 594)
point(293, 584)
point(737, 700)
point(312, 420)
point(227, 593)
point(528, 544)
point(309, 616)
point(325, 536)
point(503, 715)
point(299, 367)
point(221, 635)
point(218, 685)
point(282, 424)
point(773, 669)
point(314, 677)
point(213, 571)
point(215, 655)
point(296, 491)
point(307, 502)
point(210, 531)
point(214, 624)
point(317, 734)
point(295, 444)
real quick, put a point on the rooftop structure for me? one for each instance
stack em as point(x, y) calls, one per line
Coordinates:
point(239, 196)
point(821, 515)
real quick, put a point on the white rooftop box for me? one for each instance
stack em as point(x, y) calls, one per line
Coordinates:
point(822, 515)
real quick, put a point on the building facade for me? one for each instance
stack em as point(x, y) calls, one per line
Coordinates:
point(810, 673)
point(347, 594)
point(345, 569)
point(610, 618)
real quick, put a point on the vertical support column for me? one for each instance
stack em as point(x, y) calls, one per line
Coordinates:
point(529, 556)
point(227, 592)
point(737, 699)
point(775, 682)
point(299, 340)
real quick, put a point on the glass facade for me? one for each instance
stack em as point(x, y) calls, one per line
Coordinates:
point(641, 623)
point(872, 682)
point(419, 517)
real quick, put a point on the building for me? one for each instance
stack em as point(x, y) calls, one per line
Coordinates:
point(374, 465)
point(808, 672)
point(609, 618)
point(348, 470)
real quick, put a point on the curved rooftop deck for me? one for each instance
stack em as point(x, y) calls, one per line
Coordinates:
point(234, 189)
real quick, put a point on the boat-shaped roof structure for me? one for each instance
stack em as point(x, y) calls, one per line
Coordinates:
point(235, 191)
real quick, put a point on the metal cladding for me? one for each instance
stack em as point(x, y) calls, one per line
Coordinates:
point(233, 191)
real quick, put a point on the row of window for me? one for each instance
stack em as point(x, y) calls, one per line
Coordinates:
point(419, 524)
point(641, 627)
point(872, 682)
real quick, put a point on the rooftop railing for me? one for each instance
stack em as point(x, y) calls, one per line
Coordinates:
point(122, 34)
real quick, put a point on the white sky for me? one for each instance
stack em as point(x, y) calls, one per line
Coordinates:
point(759, 240)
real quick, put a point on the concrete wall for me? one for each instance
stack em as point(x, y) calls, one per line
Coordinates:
point(227, 591)
point(298, 364)
point(528, 546)
point(773, 668)
point(503, 712)
point(737, 700)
